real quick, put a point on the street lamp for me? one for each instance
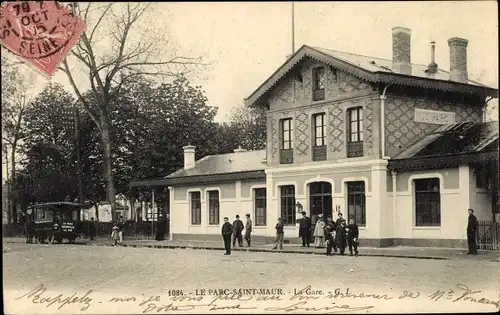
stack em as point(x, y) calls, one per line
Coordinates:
point(299, 207)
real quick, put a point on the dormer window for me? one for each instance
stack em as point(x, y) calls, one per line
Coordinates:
point(319, 82)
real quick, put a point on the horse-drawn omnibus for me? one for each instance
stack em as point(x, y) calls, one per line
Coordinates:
point(58, 221)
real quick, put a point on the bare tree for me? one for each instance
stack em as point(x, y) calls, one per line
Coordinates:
point(121, 41)
point(16, 89)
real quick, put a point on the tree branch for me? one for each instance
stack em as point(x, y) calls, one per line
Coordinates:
point(79, 95)
point(99, 21)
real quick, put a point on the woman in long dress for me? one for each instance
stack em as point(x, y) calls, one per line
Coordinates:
point(319, 233)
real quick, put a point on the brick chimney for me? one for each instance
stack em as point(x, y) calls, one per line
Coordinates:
point(189, 160)
point(401, 50)
point(239, 150)
point(458, 59)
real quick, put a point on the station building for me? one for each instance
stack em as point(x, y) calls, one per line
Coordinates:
point(403, 148)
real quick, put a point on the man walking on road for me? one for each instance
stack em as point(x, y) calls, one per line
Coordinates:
point(227, 231)
point(471, 233)
point(238, 229)
point(248, 230)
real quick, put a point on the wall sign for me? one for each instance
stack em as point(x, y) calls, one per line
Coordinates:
point(434, 116)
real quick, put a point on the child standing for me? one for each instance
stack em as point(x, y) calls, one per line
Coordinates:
point(278, 244)
point(352, 236)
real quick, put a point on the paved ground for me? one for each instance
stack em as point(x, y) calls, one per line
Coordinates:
point(134, 274)
point(396, 251)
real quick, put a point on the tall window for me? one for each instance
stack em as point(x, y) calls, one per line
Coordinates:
point(319, 145)
point(355, 132)
point(319, 130)
point(286, 135)
point(195, 197)
point(260, 206)
point(356, 202)
point(319, 83)
point(287, 197)
point(427, 202)
point(356, 124)
point(213, 207)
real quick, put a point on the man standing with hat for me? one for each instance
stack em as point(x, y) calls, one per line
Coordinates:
point(305, 229)
point(227, 231)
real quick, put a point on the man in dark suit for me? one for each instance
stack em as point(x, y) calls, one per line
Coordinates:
point(305, 229)
point(329, 236)
point(352, 236)
point(471, 233)
point(227, 231)
point(341, 236)
point(238, 229)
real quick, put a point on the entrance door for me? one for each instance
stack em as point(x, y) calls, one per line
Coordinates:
point(320, 200)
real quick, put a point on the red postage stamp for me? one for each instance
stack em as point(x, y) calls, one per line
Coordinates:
point(39, 32)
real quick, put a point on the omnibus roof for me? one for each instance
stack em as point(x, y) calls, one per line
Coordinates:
point(63, 203)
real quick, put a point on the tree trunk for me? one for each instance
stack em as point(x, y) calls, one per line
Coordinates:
point(13, 176)
point(8, 196)
point(108, 163)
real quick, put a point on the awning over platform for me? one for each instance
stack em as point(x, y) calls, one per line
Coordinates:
point(450, 146)
point(200, 179)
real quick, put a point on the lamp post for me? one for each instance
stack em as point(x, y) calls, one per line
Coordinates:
point(299, 207)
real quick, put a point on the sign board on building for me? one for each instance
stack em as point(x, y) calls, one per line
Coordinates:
point(434, 116)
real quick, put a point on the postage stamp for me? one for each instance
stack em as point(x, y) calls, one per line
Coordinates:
point(39, 32)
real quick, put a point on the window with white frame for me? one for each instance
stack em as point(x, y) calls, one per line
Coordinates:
point(356, 202)
point(260, 206)
point(427, 202)
point(287, 197)
point(213, 207)
point(195, 201)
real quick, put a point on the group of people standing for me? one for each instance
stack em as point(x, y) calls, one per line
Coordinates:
point(337, 235)
point(235, 231)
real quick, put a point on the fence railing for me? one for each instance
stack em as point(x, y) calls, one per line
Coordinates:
point(131, 230)
point(134, 230)
point(488, 235)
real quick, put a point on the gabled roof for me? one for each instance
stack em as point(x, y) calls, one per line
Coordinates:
point(376, 70)
point(451, 145)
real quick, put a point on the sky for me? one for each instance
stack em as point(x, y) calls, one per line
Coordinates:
point(245, 42)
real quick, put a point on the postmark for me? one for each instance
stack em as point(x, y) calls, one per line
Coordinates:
point(39, 32)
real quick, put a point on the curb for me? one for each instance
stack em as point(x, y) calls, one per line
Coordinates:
point(259, 250)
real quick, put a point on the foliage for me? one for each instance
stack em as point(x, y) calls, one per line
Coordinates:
point(246, 128)
point(134, 48)
point(48, 141)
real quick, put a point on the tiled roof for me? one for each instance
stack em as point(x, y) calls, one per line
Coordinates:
point(371, 69)
point(225, 163)
point(453, 139)
point(374, 64)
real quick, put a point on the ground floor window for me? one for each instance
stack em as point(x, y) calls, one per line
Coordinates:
point(213, 207)
point(427, 202)
point(260, 206)
point(195, 200)
point(356, 202)
point(287, 197)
